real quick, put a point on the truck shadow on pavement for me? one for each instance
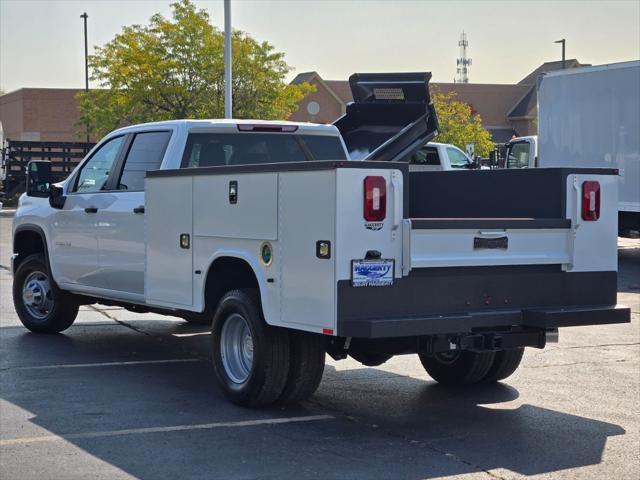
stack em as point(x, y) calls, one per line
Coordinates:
point(470, 424)
point(629, 268)
point(381, 424)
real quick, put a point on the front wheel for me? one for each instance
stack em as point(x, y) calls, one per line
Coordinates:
point(250, 358)
point(39, 305)
point(460, 367)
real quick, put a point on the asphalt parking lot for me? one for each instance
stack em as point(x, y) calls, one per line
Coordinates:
point(122, 395)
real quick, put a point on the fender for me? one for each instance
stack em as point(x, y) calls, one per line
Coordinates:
point(253, 262)
point(27, 227)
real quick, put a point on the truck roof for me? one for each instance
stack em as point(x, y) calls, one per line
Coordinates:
point(593, 68)
point(229, 125)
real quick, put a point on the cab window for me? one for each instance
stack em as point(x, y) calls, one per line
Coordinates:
point(518, 155)
point(426, 156)
point(146, 153)
point(222, 149)
point(457, 158)
point(94, 175)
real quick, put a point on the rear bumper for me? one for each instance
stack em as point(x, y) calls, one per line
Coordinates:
point(431, 301)
point(542, 318)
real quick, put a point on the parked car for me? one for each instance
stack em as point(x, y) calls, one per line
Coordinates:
point(291, 250)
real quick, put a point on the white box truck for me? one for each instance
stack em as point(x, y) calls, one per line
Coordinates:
point(268, 231)
point(589, 117)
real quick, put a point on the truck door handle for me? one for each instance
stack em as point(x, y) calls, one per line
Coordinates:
point(91, 210)
point(139, 209)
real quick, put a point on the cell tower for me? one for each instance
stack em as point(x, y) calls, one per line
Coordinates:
point(463, 62)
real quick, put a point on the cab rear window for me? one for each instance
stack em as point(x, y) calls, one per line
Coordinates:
point(221, 149)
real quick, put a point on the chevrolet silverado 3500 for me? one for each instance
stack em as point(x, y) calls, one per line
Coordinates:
point(295, 240)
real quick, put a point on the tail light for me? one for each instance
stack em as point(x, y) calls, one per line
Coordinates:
point(375, 199)
point(590, 201)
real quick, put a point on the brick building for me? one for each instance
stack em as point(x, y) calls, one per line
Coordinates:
point(41, 114)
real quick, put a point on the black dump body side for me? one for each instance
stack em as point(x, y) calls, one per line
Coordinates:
point(391, 116)
point(511, 193)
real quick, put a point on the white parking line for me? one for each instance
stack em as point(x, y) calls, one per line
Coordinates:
point(107, 364)
point(176, 428)
point(191, 334)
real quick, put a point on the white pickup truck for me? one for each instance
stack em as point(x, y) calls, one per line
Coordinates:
point(291, 250)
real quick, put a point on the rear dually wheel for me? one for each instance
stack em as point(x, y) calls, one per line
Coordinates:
point(459, 367)
point(250, 358)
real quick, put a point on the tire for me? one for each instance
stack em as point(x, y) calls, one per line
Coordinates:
point(40, 305)
point(369, 359)
point(460, 368)
point(306, 366)
point(197, 320)
point(250, 358)
point(504, 364)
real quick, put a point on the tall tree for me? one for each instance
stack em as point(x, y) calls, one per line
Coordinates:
point(458, 125)
point(174, 68)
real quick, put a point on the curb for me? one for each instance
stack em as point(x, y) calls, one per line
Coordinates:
point(7, 212)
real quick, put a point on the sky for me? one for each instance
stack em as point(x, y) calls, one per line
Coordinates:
point(41, 41)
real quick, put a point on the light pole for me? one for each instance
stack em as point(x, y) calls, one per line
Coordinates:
point(562, 42)
point(84, 16)
point(228, 87)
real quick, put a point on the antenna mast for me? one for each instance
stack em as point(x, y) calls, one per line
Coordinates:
point(463, 62)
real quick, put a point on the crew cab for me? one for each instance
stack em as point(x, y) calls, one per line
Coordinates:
point(295, 240)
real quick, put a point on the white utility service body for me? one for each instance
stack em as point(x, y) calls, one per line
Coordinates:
point(589, 117)
point(273, 232)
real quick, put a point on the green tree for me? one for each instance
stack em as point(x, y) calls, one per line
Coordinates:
point(174, 68)
point(458, 125)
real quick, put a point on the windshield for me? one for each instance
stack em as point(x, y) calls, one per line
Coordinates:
point(246, 148)
point(518, 155)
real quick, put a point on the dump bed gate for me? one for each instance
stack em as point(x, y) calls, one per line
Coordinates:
point(390, 118)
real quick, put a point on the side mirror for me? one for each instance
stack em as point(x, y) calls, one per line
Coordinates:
point(56, 198)
point(39, 178)
point(475, 163)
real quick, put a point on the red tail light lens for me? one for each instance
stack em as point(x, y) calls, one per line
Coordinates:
point(590, 201)
point(375, 199)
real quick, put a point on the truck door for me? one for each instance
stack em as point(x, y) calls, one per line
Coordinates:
point(74, 241)
point(121, 240)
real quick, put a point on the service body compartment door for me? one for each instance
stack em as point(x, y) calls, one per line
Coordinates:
point(169, 267)
point(306, 216)
point(242, 206)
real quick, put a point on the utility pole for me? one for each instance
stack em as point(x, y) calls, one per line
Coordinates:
point(228, 87)
point(84, 16)
point(562, 42)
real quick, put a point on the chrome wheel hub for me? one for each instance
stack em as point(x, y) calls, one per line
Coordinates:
point(236, 348)
point(36, 295)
